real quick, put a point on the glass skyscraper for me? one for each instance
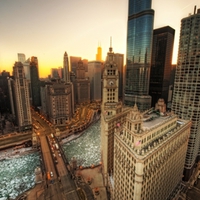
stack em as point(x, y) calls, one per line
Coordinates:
point(139, 44)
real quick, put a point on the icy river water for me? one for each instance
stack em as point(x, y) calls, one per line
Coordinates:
point(86, 148)
point(17, 174)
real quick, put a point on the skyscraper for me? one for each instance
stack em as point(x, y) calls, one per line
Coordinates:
point(119, 59)
point(35, 82)
point(94, 74)
point(66, 67)
point(21, 57)
point(186, 95)
point(19, 96)
point(99, 53)
point(81, 85)
point(161, 63)
point(139, 43)
point(54, 73)
point(74, 63)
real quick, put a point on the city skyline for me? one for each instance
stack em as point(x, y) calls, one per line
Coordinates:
point(74, 27)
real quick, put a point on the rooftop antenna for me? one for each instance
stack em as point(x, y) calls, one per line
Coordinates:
point(195, 7)
point(110, 49)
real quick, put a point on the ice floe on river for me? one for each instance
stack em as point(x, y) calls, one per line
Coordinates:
point(17, 175)
point(86, 148)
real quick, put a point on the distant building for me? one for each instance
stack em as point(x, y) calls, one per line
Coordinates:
point(139, 48)
point(66, 67)
point(99, 54)
point(61, 72)
point(21, 57)
point(149, 155)
point(5, 73)
point(119, 59)
point(94, 74)
point(161, 63)
point(85, 64)
point(35, 82)
point(186, 94)
point(19, 97)
point(57, 102)
point(4, 93)
point(74, 63)
point(54, 73)
point(81, 85)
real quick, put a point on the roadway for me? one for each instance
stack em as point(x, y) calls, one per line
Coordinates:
point(60, 185)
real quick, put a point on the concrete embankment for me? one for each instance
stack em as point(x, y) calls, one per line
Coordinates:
point(14, 139)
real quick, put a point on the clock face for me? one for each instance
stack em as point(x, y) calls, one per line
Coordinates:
point(111, 82)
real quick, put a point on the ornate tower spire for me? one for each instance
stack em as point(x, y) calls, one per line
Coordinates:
point(110, 49)
point(66, 67)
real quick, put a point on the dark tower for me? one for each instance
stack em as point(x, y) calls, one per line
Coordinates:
point(161, 66)
point(35, 82)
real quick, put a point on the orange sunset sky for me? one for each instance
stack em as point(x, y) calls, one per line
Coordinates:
point(48, 28)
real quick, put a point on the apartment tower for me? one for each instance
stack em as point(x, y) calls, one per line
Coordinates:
point(186, 94)
point(138, 62)
point(19, 96)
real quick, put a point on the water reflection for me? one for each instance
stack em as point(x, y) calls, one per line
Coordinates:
point(86, 148)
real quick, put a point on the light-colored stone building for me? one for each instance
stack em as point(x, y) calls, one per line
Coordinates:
point(112, 113)
point(149, 155)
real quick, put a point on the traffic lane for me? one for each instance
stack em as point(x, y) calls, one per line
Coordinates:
point(48, 162)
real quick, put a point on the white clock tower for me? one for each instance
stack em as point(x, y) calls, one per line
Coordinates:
point(111, 115)
point(110, 102)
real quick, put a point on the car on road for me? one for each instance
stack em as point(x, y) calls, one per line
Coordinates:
point(51, 174)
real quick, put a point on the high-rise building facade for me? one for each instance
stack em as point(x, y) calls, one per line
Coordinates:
point(119, 59)
point(94, 74)
point(66, 67)
point(149, 155)
point(161, 63)
point(186, 94)
point(19, 96)
point(99, 53)
point(4, 93)
point(81, 85)
point(139, 45)
point(21, 57)
point(74, 63)
point(54, 73)
point(35, 82)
